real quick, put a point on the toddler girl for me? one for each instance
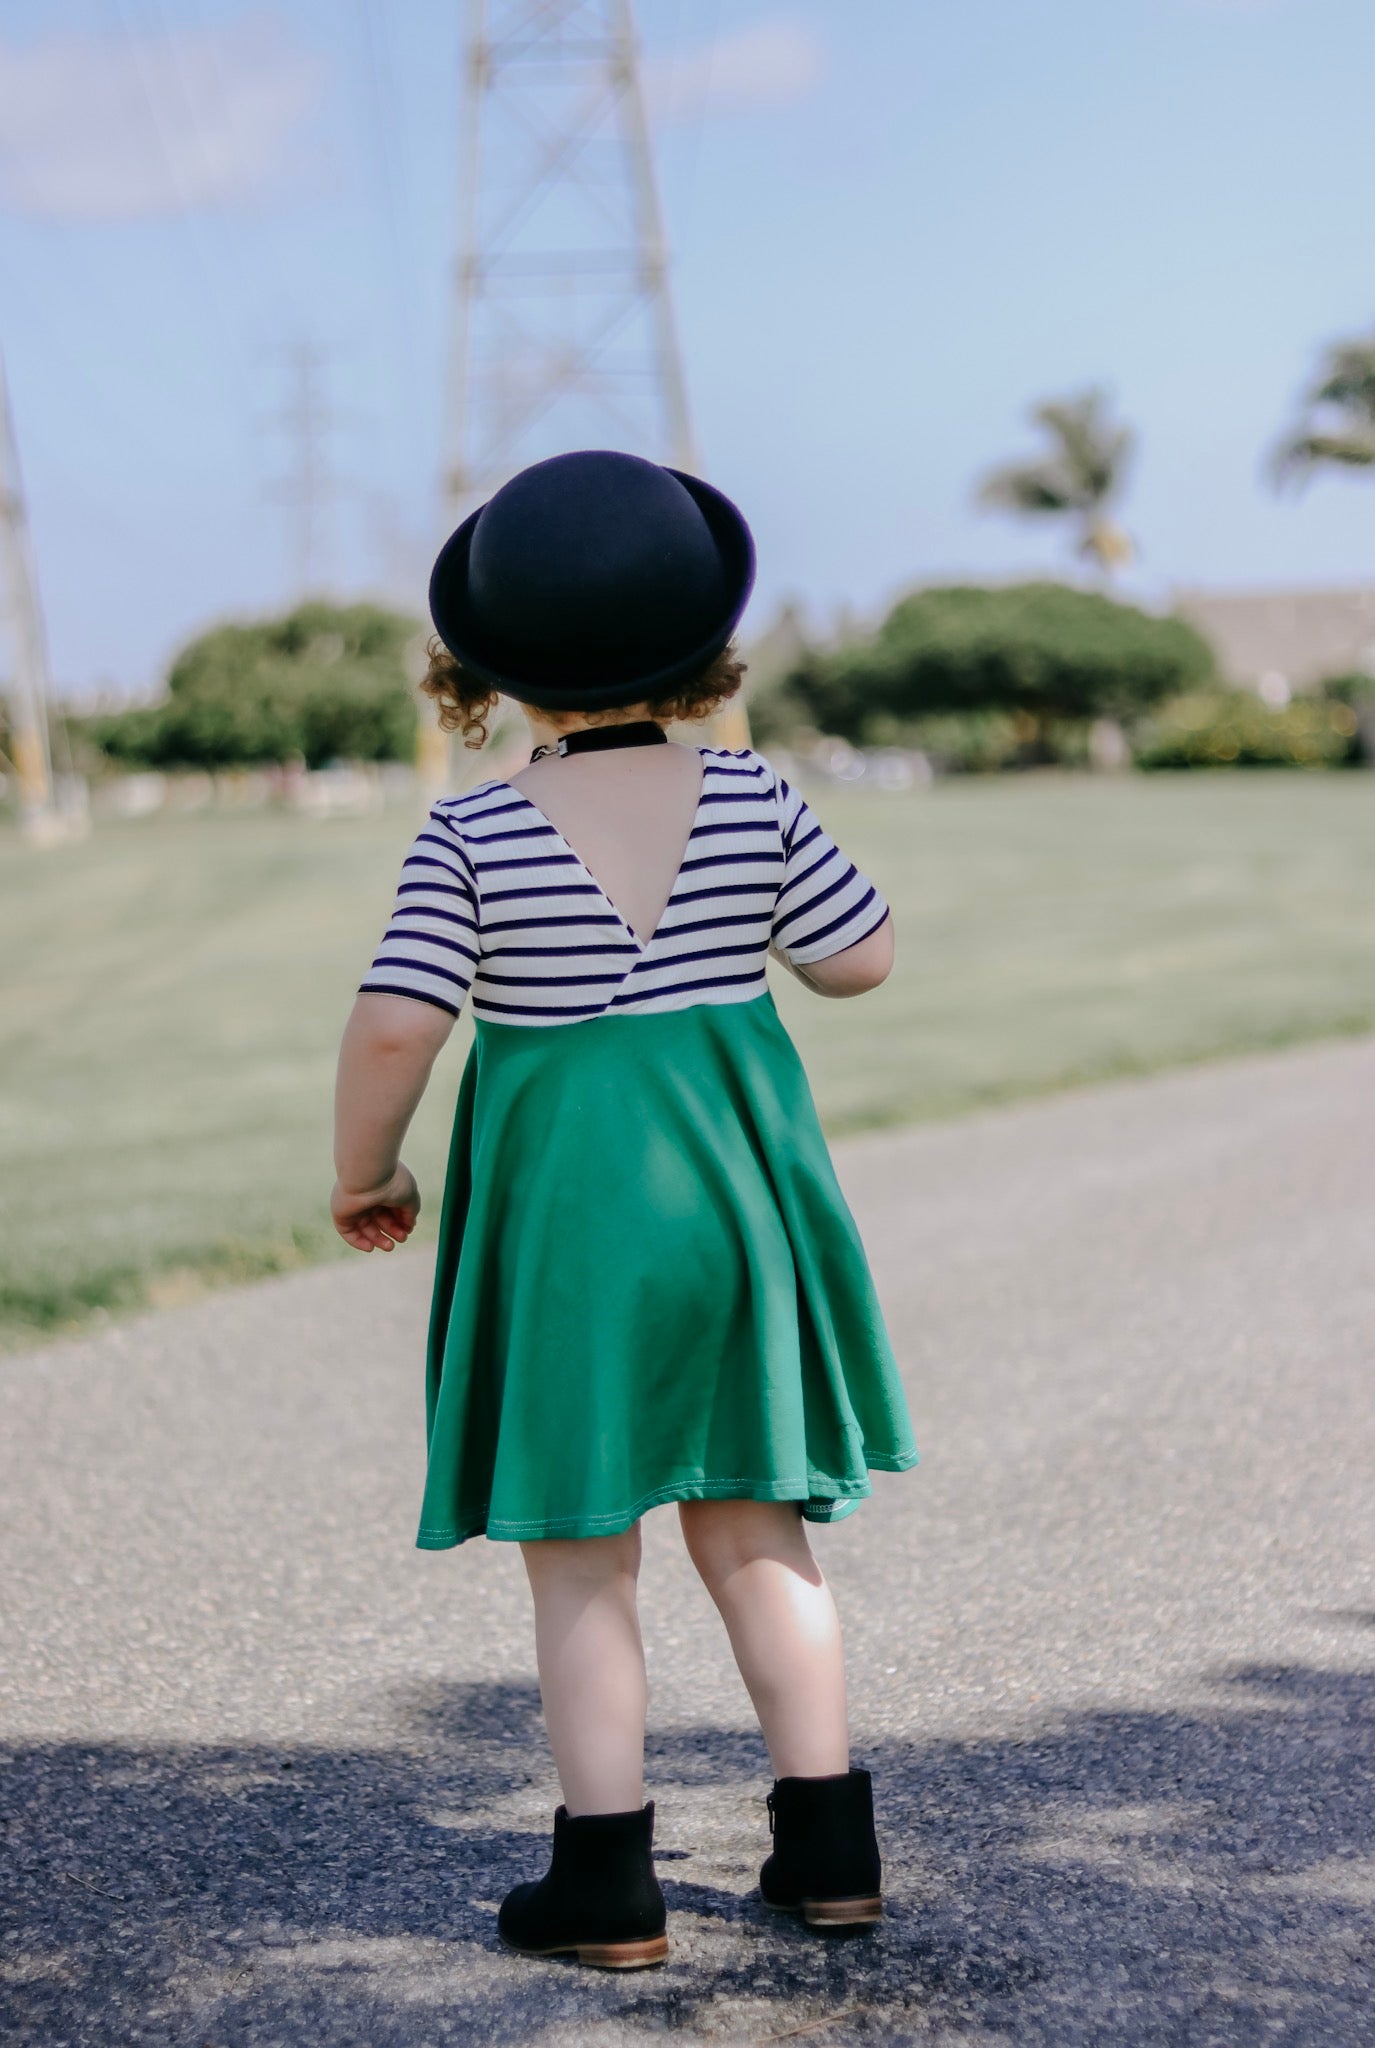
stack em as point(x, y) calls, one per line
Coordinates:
point(648, 1285)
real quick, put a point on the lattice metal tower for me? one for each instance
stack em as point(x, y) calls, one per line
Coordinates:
point(564, 335)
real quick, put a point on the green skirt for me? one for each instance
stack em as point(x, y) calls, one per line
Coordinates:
point(648, 1285)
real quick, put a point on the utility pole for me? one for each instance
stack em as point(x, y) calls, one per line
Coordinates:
point(564, 335)
point(31, 684)
point(307, 420)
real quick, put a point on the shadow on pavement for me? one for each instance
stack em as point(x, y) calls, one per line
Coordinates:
point(1189, 1877)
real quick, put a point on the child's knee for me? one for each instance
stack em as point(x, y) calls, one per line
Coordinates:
point(589, 1558)
point(722, 1535)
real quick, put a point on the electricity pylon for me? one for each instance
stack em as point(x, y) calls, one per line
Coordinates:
point(310, 485)
point(564, 335)
point(30, 683)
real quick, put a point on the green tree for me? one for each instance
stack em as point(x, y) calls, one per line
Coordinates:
point(1079, 478)
point(1042, 652)
point(324, 683)
point(1336, 424)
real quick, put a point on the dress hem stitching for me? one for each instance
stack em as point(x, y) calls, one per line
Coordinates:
point(477, 1523)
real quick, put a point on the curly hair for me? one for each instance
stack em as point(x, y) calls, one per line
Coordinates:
point(465, 702)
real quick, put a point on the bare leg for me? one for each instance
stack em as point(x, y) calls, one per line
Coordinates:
point(591, 1666)
point(756, 1562)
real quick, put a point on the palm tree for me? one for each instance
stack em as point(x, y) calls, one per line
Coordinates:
point(1078, 479)
point(1336, 428)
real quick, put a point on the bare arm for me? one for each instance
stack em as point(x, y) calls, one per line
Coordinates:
point(389, 1046)
point(851, 973)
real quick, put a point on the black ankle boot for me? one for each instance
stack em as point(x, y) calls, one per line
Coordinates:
point(599, 1900)
point(825, 1861)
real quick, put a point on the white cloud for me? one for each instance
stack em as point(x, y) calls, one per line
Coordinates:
point(767, 64)
point(124, 127)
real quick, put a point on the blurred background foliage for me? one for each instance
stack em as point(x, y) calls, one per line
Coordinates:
point(1234, 729)
point(977, 678)
point(984, 678)
point(1045, 652)
point(323, 683)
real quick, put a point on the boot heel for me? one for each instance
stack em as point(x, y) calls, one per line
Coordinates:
point(843, 1912)
point(624, 1955)
point(599, 1901)
point(825, 1862)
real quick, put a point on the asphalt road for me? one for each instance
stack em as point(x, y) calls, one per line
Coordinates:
point(267, 1770)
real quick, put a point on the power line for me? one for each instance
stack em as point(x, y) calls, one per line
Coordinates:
point(706, 21)
point(137, 47)
point(247, 265)
point(381, 88)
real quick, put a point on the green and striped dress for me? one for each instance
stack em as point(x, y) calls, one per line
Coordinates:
point(649, 1286)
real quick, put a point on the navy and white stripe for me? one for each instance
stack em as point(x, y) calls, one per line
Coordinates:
point(825, 903)
point(493, 899)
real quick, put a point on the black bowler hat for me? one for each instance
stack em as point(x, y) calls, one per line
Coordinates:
point(593, 579)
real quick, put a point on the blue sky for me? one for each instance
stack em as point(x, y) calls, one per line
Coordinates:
point(895, 224)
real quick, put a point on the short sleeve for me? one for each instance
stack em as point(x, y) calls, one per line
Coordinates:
point(824, 904)
point(431, 947)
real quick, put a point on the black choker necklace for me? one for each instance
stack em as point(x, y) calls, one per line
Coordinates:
point(590, 739)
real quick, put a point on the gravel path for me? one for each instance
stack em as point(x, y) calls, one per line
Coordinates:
point(267, 1770)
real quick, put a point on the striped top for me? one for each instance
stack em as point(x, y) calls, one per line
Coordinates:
point(493, 899)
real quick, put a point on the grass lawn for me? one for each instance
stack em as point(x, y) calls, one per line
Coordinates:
point(175, 988)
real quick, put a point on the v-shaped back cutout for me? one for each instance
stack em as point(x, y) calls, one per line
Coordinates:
point(601, 888)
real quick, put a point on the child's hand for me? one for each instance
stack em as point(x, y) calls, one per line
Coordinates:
point(377, 1219)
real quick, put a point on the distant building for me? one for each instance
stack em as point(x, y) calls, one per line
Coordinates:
point(1279, 641)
